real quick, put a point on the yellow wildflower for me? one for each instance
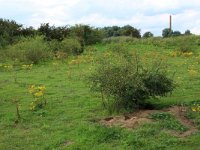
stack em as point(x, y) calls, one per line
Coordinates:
point(27, 67)
point(42, 88)
point(32, 89)
point(187, 54)
point(194, 109)
point(38, 94)
point(192, 72)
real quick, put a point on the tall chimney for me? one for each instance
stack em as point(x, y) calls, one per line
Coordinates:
point(170, 23)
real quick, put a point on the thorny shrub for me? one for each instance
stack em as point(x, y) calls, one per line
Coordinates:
point(125, 83)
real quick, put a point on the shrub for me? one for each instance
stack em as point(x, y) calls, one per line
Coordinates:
point(36, 50)
point(127, 83)
point(147, 35)
point(86, 35)
point(128, 30)
point(120, 39)
point(36, 55)
point(9, 32)
point(158, 84)
point(55, 45)
point(52, 32)
point(32, 50)
point(176, 33)
point(71, 46)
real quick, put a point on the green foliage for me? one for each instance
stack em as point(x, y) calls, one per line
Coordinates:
point(9, 32)
point(187, 32)
point(71, 46)
point(106, 135)
point(130, 31)
point(31, 50)
point(55, 45)
point(36, 50)
point(124, 79)
point(38, 94)
point(65, 122)
point(184, 46)
point(166, 32)
point(28, 32)
point(52, 32)
point(118, 47)
point(161, 116)
point(36, 55)
point(158, 84)
point(176, 33)
point(90, 49)
point(147, 35)
point(126, 30)
point(119, 39)
point(193, 112)
point(168, 121)
point(111, 31)
point(86, 35)
point(172, 42)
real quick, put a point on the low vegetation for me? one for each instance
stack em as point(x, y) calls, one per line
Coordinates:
point(46, 78)
point(126, 83)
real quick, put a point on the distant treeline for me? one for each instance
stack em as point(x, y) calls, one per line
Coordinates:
point(10, 32)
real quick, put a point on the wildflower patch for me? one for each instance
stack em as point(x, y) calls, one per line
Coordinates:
point(38, 96)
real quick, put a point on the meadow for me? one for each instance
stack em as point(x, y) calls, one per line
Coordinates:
point(71, 116)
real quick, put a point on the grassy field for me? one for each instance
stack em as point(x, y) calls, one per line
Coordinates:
point(70, 118)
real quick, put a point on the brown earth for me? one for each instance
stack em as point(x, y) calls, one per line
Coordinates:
point(138, 118)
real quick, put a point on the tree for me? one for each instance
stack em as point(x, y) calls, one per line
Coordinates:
point(187, 32)
point(111, 31)
point(52, 32)
point(9, 31)
point(166, 32)
point(87, 35)
point(128, 30)
point(176, 33)
point(29, 31)
point(147, 35)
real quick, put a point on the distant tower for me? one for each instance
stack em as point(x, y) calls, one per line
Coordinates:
point(170, 23)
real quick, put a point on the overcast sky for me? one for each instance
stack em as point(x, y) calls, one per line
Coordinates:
point(147, 15)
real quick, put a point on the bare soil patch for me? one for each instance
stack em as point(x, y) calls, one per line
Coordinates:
point(140, 117)
point(66, 144)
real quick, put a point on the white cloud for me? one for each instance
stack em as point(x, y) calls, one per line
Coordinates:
point(188, 19)
point(144, 14)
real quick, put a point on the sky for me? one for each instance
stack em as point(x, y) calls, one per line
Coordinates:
point(146, 15)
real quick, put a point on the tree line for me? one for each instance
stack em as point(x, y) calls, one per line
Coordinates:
point(11, 31)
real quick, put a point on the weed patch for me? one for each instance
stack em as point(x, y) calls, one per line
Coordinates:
point(168, 121)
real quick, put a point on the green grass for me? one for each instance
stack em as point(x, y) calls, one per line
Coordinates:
point(72, 111)
point(167, 121)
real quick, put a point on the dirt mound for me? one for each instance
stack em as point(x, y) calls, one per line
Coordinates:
point(138, 118)
point(180, 114)
point(129, 120)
